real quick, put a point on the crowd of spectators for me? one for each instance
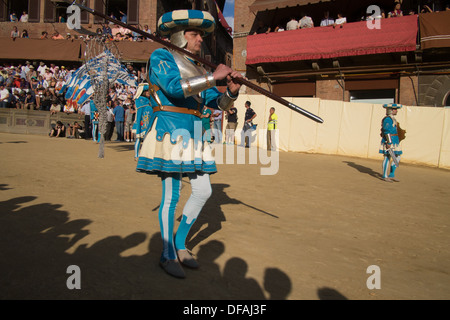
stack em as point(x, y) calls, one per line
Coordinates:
point(305, 21)
point(24, 86)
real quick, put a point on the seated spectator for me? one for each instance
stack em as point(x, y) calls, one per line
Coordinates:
point(262, 28)
point(61, 19)
point(397, 12)
point(293, 24)
point(41, 69)
point(59, 130)
point(4, 97)
point(306, 22)
point(118, 37)
point(20, 100)
point(136, 36)
point(46, 101)
point(75, 130)
point(13, 17)
point(48, 75)
point(16, 82)
point(24, 34)
point(147, 29)
point(340, 21)
point(326, 21)
point(30, 102)
point(279, 28)
point(57, 36)
point(55, 108)
point(115, 30)
point(128, 37)
point(14, 33)
point(24, 17)
point(106, 29)
point(34, 84)
point(44, 35)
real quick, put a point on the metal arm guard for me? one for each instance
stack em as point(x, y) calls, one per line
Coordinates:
point(388, 138)
point(194, 85)
point(226, 101)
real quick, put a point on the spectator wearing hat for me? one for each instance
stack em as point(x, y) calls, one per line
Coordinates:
point(32, 73)
point(41, 68)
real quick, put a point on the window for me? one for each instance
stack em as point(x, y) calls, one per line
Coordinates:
point(12, 6)
point(56, 11)
point(126, 11)
point(34, 10)
point(373, 96)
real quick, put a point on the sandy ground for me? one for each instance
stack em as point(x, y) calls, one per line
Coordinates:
point(309, 232)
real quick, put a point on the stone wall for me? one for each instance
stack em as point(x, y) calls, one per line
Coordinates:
point(33, 121)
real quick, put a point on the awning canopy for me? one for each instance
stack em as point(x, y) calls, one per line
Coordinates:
point(435, 29)
point(68, 50)
point(358, 38)
point(36, 49)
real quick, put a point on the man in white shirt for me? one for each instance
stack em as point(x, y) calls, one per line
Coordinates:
point(4, 97)
point(292, 25)
point(326, 21)
point(306, 22)
point(41, 68)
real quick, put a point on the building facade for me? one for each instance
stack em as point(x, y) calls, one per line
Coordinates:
point(396, 59)
point(51, 16)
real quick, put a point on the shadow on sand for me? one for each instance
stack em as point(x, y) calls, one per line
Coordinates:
point(34, 255)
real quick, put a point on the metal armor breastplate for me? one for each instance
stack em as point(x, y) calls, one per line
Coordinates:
point(187, 68)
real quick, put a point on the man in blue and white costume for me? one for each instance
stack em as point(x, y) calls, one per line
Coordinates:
point(144, 111)
point(174, 147)
point(390, 142)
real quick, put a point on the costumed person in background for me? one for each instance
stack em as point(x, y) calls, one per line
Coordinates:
point(391, 135)
point(144, 110)
point(94, 121)
point(174, 147)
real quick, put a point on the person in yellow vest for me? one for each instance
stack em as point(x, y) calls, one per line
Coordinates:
point(271, 127)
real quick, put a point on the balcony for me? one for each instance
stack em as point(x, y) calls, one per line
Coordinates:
point(353, 39)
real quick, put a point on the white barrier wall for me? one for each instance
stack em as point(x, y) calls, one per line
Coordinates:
point(352, 129)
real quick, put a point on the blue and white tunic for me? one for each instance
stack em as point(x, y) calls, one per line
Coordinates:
point(389, 127)
point(175, 143)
